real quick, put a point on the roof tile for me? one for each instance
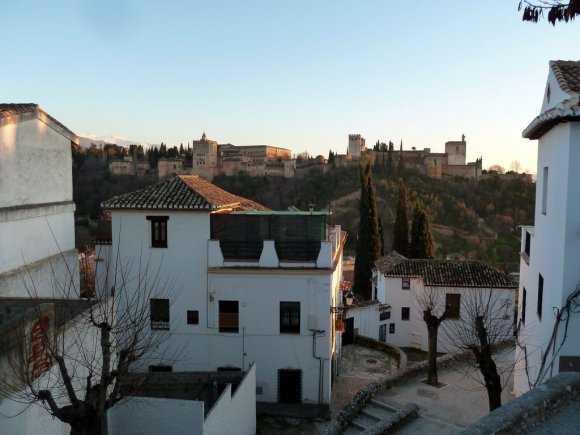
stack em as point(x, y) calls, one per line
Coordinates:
point(186, 192)
point(446, 273)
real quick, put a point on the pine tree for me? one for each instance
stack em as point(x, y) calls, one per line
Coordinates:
point(401, 227)
point(368, 243)
point(421, 239)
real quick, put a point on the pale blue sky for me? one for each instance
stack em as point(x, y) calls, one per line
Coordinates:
point(296, 74)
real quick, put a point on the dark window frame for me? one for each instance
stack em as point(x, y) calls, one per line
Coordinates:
point(453, 305)
point(391, 328)
point(406, 283)
point(159, 313)
point(289, 317)
point(405, 313)
point(158, 230)
point(385, 315)
point(228, 315)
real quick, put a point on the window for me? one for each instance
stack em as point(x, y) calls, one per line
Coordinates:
point(385, 315)
point(229, 316)
point(545, 190)
point(192, 317)
point(158, 231)
point(405, 313)
point(159, 313)
point(527, 245)
point(524, 297)
point(406, 283)
point(540, 295)
point(391, 328)
point(289, 317)
point(452, 305)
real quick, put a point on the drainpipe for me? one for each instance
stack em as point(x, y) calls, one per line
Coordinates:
point(320, 363)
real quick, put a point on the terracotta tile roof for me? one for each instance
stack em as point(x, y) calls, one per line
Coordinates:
point(448, 273)
point(186, 192)
point(389, 261)
point(567, 73)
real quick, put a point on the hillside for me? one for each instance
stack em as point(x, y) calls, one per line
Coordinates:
point(472, 219)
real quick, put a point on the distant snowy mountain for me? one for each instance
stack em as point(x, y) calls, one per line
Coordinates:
point(88, 139)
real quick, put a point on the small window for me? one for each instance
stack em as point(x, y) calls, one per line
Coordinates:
point(229, 316)
point(193, 317)
point(289, 317)
point(405, 313)
point(540, 295)
point(545, 190)
point(159, 313)
point(452, 305)
point(406, 283)
point(524, 297)
point(160, 368)
point(158, 231)
point(391, 328)
point(527, 244)
point(385, 315)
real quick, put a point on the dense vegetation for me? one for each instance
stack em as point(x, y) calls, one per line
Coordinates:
point(471, 219)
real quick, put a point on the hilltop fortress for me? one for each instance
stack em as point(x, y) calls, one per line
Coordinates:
point(451, 163)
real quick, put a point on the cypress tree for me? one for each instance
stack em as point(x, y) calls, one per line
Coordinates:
point(401, 227)
point(421, 239)
point(401, 167)
point(368, 242)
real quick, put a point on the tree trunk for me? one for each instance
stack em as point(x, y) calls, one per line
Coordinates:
point(433, 323)
point(492, 380)
point(432, 329)
point(487, 366)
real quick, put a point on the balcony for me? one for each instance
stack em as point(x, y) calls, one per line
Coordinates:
point(270, 253)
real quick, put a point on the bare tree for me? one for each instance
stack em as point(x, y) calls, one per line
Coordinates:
point(73, 358)
point(429, 304)
point(485, 327)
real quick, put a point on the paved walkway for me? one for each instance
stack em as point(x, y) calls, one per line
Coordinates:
point(448, 409)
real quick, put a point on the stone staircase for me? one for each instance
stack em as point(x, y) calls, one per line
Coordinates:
point(378, 415)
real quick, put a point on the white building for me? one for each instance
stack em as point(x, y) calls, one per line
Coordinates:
point(256, 285)
point(402, 283)
point(36, 207)
point(549, 271)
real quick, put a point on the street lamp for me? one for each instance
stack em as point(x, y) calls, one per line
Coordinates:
point(342, 309)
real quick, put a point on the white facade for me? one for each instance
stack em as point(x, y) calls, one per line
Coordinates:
point(196, 264)
point(549, 270)
point(405, 293)
point(36, 208)
point(370, 319)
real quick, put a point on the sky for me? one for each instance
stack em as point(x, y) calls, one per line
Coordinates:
point(297, 74)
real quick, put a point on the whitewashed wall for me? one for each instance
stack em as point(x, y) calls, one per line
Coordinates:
point(554, 253)
point(36, 209)
point(234, 412)
point(366, 320)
